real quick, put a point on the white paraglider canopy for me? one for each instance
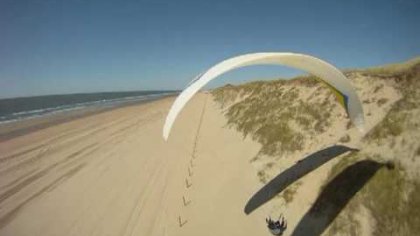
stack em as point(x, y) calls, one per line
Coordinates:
point(328, 74)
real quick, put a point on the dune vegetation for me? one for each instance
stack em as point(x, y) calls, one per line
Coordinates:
point(287, 119)
point(263, 110)
point(392, 196)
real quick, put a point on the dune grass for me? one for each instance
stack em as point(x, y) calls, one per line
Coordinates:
point(270, 111)
point(400, 117)
point(389, 69)
point(289, 193)
point(391, 197)
point(392, 201)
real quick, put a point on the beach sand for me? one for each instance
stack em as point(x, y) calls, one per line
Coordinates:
point(113, 174)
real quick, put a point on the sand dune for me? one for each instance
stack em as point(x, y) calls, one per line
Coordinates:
point(112, 174)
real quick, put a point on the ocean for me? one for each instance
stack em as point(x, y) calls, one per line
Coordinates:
point(15, 109)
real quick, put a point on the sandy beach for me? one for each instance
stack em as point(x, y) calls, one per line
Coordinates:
point(112, 174)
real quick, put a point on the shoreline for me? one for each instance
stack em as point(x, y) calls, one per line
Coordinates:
point(114, 174)
point(16, 129)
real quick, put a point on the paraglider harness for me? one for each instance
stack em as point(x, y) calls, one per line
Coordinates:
point(276, 227)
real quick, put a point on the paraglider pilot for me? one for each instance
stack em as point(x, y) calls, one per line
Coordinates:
point(276, 227)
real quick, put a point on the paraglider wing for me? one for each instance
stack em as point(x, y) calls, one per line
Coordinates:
point(327, 73)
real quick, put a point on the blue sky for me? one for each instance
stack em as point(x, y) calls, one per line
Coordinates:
point(54, 47)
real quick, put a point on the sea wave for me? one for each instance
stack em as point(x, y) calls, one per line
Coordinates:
point(102, 103)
